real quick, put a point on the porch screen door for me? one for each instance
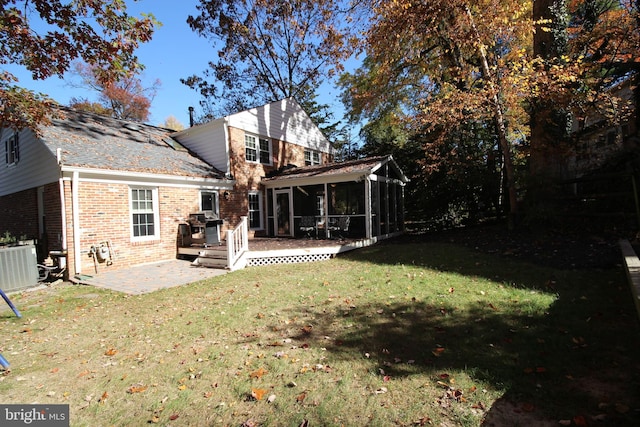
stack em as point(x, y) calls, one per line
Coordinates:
point(283, 213)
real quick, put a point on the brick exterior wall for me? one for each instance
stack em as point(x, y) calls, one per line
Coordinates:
point(105, 216)
point(248, 175)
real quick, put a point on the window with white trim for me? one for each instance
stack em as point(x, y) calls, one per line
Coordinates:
point(144, 214)
point(12, 149)
point(255, 210)
point(311, 157)
point(257, 149)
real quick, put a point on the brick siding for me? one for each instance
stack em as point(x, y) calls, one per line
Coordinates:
point(105, 216)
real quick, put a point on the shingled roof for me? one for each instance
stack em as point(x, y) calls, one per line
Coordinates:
point(93, 141)
point(364, 166)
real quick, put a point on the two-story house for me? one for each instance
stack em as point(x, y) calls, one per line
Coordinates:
point(99, 190)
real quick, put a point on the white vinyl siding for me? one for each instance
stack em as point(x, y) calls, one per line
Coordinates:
point(37, 165)
point(284, 121)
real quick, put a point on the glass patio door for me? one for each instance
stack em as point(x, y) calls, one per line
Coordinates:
point(284, 217)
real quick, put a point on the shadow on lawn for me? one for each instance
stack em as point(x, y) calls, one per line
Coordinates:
point(580, 361)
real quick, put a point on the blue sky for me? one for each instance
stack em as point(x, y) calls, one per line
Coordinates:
point(174, 52)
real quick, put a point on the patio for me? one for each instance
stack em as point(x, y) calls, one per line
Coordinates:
point(150, 277)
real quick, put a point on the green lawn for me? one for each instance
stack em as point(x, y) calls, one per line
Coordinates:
point(394, 334)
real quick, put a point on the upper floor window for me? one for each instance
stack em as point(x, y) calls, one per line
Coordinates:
point(144, 213)
point(12, 149)
point(311, 157)
point(257, 149)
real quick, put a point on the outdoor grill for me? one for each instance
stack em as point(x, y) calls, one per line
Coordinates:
point(207, 223)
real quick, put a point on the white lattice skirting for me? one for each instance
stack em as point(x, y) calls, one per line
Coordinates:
point(287, 259)
point(294, 256)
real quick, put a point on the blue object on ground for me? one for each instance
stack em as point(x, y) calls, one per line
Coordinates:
point(13, 307)
point(3, 362)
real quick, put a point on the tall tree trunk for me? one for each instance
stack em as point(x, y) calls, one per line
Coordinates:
point(548, 124)
point(501, 129)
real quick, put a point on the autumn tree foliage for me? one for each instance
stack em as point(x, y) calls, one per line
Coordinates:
point(445, 64)
point(267, 50)
point(581, 49)
point(513, 72)
point(125, 98)
point(46, 36)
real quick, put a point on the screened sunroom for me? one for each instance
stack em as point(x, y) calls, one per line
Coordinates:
point(358, 199)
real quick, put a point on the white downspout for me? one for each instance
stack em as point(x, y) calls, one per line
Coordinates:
point(63, 209)
point(76, 221)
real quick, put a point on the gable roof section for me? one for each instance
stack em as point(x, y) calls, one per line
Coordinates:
point(92, 141)
point(336, 172)
point(284, 120)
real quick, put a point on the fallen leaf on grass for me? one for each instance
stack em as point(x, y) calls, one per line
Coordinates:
point(111, 352)
point(174, 417)
point(479, 405)
point(258, 374)
point(138, 388)
point(103, 397)
point(258, 393)
point(437, 352)
point(381, 390)
point(300, 398)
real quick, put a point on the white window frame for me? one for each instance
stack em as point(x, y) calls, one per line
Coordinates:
point(312, 157)
point(254, 151)
point(260, 209)
point(136, 211)
point(12, 149)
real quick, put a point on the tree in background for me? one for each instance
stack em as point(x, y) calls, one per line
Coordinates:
point(501, 72)
point(442, 65)
point(172, 123)
point(267, 51)
point(124, 98)
point(580, 50)
point(100, 33)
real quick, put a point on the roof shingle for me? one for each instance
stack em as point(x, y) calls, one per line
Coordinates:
point(94, 141)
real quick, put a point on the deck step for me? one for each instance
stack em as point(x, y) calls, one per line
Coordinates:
point(213, 253)
point(212, 257)
point(210, 262)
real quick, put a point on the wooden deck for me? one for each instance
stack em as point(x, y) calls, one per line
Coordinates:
point(276, 250)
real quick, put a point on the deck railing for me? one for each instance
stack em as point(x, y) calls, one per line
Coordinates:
point(237, 244)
